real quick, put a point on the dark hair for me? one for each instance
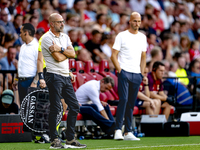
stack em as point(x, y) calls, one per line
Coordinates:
point(17, 15)
point(156, 65)
point(175, 21)
point(10, 48)
point(166, 36)
point(29, 27)
point(94, 32)
point(76, 1)
point(192, 64)
point(69, 16)
point(9, 37)
point(109, 80)
point(122, 14)
point(99, 16)
point(193, 43)
point(32, 17)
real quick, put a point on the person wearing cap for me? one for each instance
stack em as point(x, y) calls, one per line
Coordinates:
point(7, 104)
point(27, 64)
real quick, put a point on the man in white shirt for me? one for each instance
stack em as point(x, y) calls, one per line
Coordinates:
point(129, 58)
point(91, 106)
point(27, 64)
point(56, 49)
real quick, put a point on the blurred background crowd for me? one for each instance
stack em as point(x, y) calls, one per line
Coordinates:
point(172, 28)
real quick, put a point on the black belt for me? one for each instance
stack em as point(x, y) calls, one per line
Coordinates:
point(24, 79)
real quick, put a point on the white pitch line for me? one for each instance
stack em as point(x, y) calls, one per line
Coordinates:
point(147, 146)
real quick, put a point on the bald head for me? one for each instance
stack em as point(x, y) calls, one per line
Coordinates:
point(54, 17)
point(135, 15)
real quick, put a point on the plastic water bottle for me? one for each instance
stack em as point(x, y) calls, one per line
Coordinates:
point(81, 138)
point(140, 135)
point(135, 132)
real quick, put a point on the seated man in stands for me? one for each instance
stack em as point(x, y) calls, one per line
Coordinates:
point(156, 88)
point(7, 105)
point(152, 106)
point(91, 106)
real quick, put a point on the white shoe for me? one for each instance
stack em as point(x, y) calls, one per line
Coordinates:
point(118, 135)
point(131, 137)
point(123, 128)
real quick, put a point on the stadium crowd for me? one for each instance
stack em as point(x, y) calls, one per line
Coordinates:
point(172, 28)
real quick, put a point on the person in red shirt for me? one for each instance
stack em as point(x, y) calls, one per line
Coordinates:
point(45, 23)
point(152, 106)
point(156, 88)
point(21, 7)
point(194, 50)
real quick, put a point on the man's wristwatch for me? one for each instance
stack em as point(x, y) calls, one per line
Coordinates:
point(62, 49)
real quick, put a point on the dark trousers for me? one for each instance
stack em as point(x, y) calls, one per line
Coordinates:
point(90, 111)
point(23, 86)
point(60, 86)
point(128, 87)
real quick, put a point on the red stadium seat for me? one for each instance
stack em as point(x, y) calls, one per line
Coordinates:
point(89, 69)
point(79, 116)
point(113, 111)
point(104, 70)
point(72, 67)
point(82, 77)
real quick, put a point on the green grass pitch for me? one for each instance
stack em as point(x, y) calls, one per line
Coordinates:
point(146, 143)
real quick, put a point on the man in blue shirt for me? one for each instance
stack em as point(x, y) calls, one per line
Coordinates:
point(9, 62)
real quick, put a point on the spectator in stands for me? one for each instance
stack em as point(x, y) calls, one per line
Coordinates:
point(101, 23)
point(79, 8)
point(73, 35)
point(39, 33)
point(173, 88)
point(130, 65)
point(7, 25)
point(98, 111)
point(194, 71)
point(45, 23)
point(151, 40)
point(181, 72)
point(27, 64)
point(174, 29)
point(194, 50)
point(156, 55)
point(147, 24)
point(72, 22)
point(138, 5)
point(166, 46)
point(152, 106)
point(8, 41)
point(1, 52)
point(195, 28)
point(195, 13)
point(4, 4)
point(91, 10)
point(84, 55)
point(184, 44)
point(18, 21)
point(9, 62)
point(34, 21)
point(2, 35)
point(7, 104)
point(123, 22)
point(173, 68)
point(156, 88)
point(22, 7)
point(175, 45)
point(93, 46)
